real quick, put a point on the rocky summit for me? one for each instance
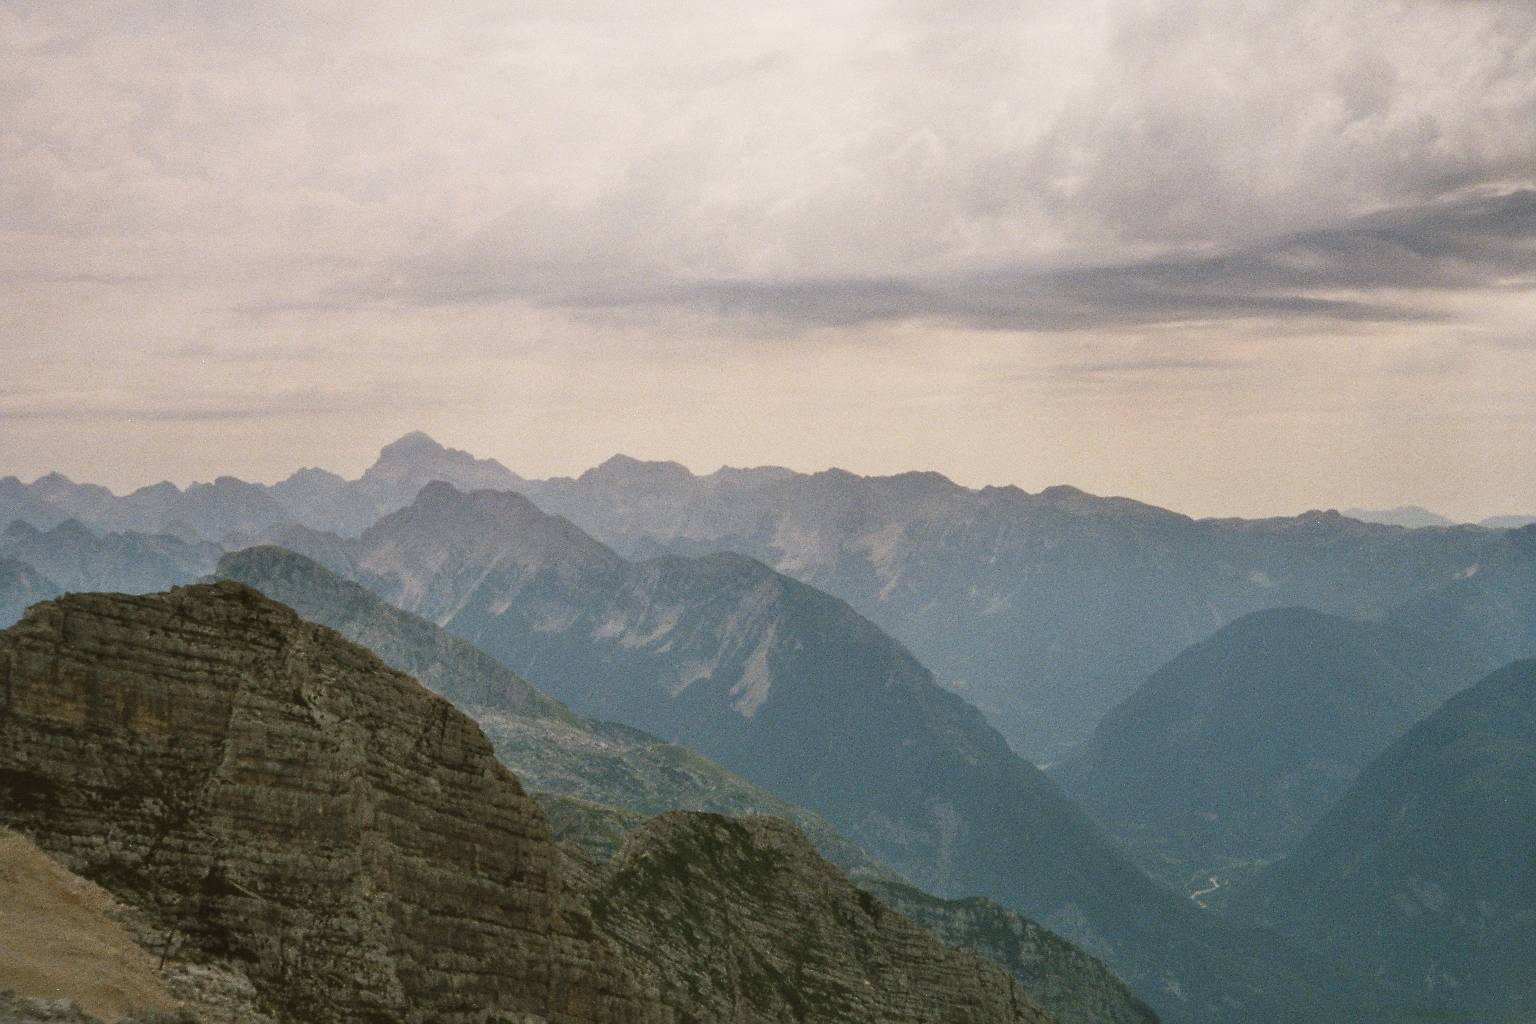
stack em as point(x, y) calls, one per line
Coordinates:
point(275, 803)
point(739, 920)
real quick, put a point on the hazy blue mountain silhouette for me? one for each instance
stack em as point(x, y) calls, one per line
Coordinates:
point(1425, 871)
point(1044, 610)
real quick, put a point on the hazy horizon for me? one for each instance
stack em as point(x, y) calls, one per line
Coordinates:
point(1230, 258)
point(363, 464)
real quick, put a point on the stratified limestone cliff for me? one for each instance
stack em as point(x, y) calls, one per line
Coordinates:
point(272, 799)
point(739, 921)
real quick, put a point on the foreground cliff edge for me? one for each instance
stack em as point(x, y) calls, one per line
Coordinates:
point(281, 812)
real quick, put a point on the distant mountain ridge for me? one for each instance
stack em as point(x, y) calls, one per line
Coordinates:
point(1412, 517)
point(1044, 610)
point(78, 560)
point(311, 497)
point(22, 586)
point(1417, 517)
point(794, 690)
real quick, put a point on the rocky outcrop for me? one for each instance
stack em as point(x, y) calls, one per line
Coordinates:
point(1071, 985)
point(276, 802)
point(1074, 986)
point(738, 920)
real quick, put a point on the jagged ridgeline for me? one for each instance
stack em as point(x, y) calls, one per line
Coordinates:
point(301, 833)
point(599, 781)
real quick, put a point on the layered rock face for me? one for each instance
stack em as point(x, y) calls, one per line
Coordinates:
point(272, 797)
point(740, 922)
point(1074, 986)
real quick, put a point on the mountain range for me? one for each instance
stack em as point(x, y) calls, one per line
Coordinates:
point(213, 511)
point(793, 690)
point(1417, 517)
point(1279, 658)
point(1227, 755)
point(599, 782)
point(1044, 610)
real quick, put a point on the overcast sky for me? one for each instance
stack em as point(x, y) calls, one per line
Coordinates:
point(1232, 258)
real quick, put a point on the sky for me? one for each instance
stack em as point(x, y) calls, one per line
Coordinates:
point(1233, 258)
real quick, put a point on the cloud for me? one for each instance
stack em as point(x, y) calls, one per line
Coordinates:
point(1357, 271)
point(542, 149)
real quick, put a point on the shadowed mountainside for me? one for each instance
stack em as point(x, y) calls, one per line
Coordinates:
point(1231, 752)
point(22, 586)
point(1225, 757)
point(1425, 871)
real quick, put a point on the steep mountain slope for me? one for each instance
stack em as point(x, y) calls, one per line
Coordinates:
point(131, 563)
point(598, 781)
point(741, 921)
point(1226, 756)
point(20, 587)
point(1425, 871)
point(1488, 613)
point(551, 750)
point(279, 801)
point(794, 690)
point(1045, 609)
